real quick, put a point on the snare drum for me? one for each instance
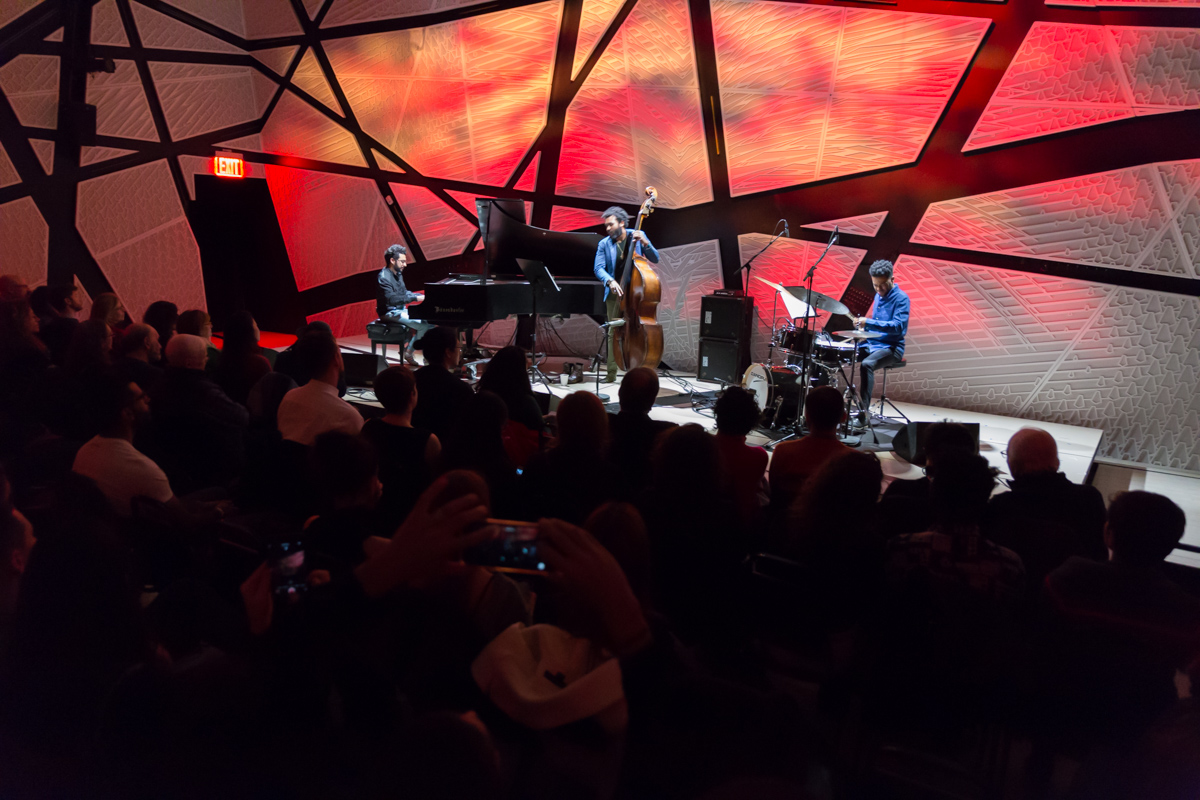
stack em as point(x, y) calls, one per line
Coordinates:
point(833, 353)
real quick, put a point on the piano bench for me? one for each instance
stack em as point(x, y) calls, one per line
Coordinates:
point(385, 332)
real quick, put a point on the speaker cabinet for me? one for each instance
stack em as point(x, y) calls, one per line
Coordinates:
point(726, 317)
point(909, 443)
point(725, 325)
point(722, 360)
point(361, 368)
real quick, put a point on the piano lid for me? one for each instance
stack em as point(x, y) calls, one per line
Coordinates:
point(507, 238)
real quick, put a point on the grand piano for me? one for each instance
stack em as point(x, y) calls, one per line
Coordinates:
point(527, 270)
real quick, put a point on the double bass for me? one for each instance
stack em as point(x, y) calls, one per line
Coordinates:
point(639, 342)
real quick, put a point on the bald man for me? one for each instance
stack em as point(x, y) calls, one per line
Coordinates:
point(1045, 519)
point(137, 353)
point(197, 430)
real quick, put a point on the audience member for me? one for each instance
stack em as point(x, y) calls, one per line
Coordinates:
point(110, 459)
point(633, 432)
point(13, 287)
point(575, 476)
point(109, 309)
point(794, 462)
point(242, 361)
point(476, 442)
point(288, 362)
point(953, 551)
point(737, 413)
point(314, 408)
point(346, 473)
point(198, 323)
point(507, 377)
point(23, 356)
point(441, 395)
point(949, 626)
point(407, 456)
point(197, 433)
point(264, 399)
point(138, 353)
point(16, 542)
point(906, 507)
point(91, 349)
point(60, 319)
point(698, 543)
point(162, 315)
point(1118, 630)
point(1045, 519)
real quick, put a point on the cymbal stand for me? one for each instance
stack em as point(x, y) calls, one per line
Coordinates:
point(808, 338)
point(746, 266)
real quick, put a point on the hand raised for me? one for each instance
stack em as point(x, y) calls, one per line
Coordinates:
point(429, 545)
point(586, 571)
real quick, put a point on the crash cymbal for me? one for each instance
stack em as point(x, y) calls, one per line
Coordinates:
point(819, 301)
point(854, 334)
point(795, 308)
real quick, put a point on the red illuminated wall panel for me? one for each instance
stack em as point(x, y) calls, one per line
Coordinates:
point(325, 246)
point(1145, 218)
point(197, 98)
point(864, 225)
point(597, 16)
point(134, 225)
point(348, 320)
point(441, 230)
point(810, 92)
point(1068, 76)
point(462, 100)
point(31, 85)
point(573, 219)
point(296, 129)
point(26, 240)
point(637, 119)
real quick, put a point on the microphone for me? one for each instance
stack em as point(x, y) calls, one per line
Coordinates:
point(786, 232)
point(835, 235)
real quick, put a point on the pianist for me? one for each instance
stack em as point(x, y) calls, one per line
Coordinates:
point(393, 297)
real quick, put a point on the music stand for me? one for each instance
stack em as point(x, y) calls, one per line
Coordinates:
point(538, 276)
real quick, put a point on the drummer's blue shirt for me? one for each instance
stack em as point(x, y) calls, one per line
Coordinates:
point(889, 316)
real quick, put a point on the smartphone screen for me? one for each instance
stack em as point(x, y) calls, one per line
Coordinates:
point(289, 573)
point(513, 549)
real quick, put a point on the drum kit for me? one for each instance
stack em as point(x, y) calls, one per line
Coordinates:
point(780, 389)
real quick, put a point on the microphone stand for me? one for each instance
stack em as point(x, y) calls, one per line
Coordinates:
point(808, 340)
point(774, 312)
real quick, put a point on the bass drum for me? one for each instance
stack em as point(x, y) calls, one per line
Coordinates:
point(775, 389)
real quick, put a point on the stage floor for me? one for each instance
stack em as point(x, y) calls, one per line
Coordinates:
point(1077, 446)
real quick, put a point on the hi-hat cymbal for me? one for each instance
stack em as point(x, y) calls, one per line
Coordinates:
point(795, 307)
point(821, 301)
point(855, 334)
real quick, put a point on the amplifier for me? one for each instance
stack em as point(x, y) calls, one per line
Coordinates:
point(726, 317)
point(723, 360)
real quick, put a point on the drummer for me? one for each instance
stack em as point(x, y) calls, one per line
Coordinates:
point(889, 316)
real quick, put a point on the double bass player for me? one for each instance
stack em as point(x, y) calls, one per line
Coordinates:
point(610, 259)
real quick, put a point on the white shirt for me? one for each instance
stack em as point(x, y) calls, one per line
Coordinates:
point(315, 408)
point(121, 472)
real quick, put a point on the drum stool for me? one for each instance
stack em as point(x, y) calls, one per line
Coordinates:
point(883, 398)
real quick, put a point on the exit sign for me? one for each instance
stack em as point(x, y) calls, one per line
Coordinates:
point(228, 165)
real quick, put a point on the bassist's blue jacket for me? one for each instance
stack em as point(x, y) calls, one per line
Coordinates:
point(606, 259)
